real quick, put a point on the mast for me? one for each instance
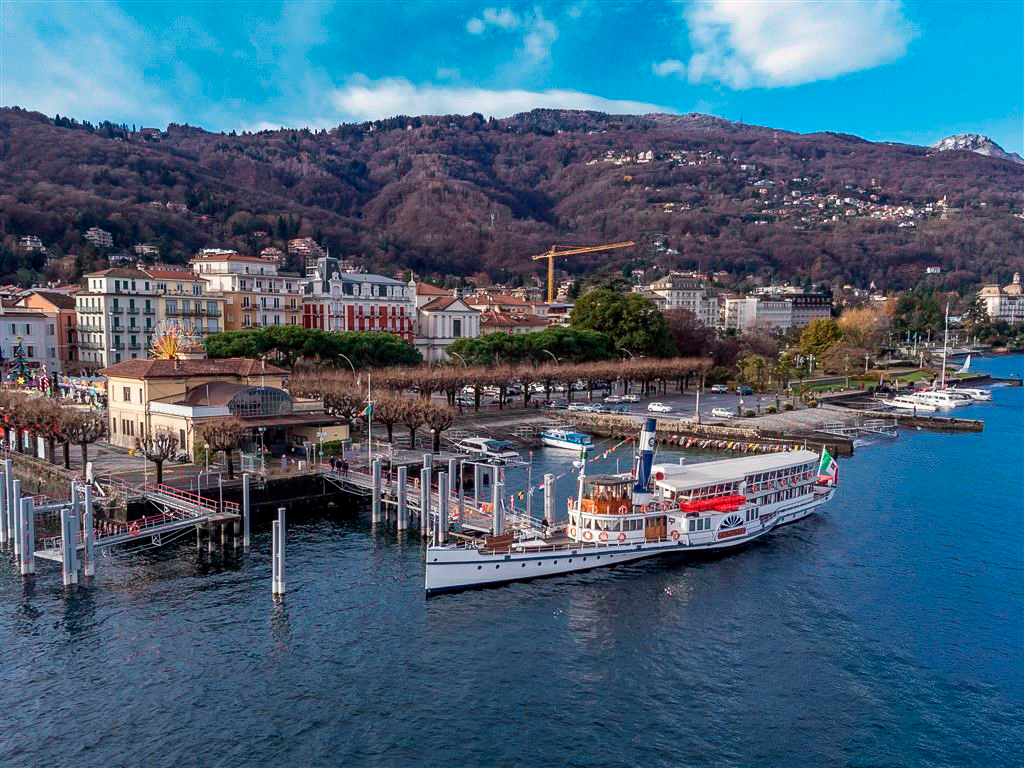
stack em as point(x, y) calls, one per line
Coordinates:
point(644, 459)
point(945, 340)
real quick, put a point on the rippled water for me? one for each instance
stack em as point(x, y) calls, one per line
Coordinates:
point(885, 631)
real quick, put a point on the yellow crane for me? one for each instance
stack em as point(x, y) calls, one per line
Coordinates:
point(568, 250)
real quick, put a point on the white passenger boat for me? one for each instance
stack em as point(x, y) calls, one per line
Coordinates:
point(980, 395)
point(565, 437)
point(489, 449)
point(910, 403)
point(657, 509)
point(942, 398)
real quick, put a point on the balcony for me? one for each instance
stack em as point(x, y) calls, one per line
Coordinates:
point(149, 311)
point(135, 345)
point(133, 310)
point(117, 346)
point(116, 310)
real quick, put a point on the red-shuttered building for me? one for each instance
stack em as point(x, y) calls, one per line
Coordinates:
point(334, 300)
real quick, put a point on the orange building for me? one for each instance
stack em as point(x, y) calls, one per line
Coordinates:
point(61, 307)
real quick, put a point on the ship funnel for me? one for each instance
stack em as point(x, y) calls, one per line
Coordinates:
point(645, 457)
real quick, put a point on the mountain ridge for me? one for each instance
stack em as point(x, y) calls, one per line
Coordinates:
point(462, 194)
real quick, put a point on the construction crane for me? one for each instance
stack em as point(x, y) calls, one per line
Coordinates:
point(568, 250)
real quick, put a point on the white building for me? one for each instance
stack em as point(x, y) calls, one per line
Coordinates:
point(740, 312)
point(99, 237)
point(30, 243)
point(117, 316)
point(35, 332)
point(334, 300)
point(778, 312)
point(1004, 303)
point(256, 293)
point(681, 292)
point(442, 319)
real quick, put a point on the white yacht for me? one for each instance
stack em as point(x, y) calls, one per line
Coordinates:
point(489, 449)
point(910, 403)
point(980, 395)
point(942, 398)
point(568, 438)
point(657, 509)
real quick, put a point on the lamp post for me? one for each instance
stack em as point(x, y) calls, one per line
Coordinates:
point(345, 358)
point(321, 435)
point(552, 354)
point(461, 358)
point(631, 355)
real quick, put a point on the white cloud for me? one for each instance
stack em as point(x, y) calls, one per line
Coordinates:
point(538, 33)
point(668, 67)
point(363, 99)
point(746, 43)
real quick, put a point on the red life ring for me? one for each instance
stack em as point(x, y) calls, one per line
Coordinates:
point(675, 535)
point(623, 510)
point(622, 536)
point(603, 536)
point(133, 529)
point(587, 535)
point(572, 532)
point(568, 503)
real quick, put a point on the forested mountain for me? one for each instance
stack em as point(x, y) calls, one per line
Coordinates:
point(463, 194)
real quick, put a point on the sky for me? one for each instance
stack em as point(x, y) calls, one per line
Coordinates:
point(881, 69)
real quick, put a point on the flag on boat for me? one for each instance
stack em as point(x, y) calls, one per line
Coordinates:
point(828, 470)
point(367, 411)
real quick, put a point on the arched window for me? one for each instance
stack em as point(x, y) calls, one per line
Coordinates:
point(260, 401)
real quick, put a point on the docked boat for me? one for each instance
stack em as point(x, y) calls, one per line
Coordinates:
point(657, 509)
point(978, 395)
point(565, 437)
point(489, 449)
point(910, 403)
point(942, 398)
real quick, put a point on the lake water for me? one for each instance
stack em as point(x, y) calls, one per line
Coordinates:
point(887, 630)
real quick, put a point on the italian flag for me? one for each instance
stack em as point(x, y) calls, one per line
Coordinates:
point(828, 469)
point(367, 411)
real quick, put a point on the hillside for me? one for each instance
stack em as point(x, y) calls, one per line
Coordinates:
point(464, 194)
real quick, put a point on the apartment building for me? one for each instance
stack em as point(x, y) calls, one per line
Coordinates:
point(255, 292)
point(32, 331)
point(117, 316)
point(441, 319)
point(335, 300)
point(682, 292)
point(60, 307)
point(185, 299)
point(99, 237)
point(774, 311)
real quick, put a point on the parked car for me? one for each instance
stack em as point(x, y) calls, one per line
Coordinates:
point(615, 409)
point(613, 399)
point(743, 389)
point(464, 401)
point(720, 389)
point(554, 404)
point(578, 407)
point(631, 398)
point(659, 408)
point(722, 413)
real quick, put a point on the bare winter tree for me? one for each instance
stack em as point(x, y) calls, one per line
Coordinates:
point(438, 418)
point(387, 410)
point(158, 448)
point(84, 428)
point(412, 417)
point(224, 435)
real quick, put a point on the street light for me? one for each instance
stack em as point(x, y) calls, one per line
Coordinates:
point(549, 352)
point(321, 434)
point(345, 358)
point(631, 355)
point(461, 358)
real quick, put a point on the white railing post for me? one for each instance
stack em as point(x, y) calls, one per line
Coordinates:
point(90, 534)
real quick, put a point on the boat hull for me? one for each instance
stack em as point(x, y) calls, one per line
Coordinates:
point(451, 569)
point(554, 442)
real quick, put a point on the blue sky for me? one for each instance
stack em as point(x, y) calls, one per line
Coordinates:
point(883, 70)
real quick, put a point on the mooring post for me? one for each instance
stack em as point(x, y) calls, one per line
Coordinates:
point(277, 587)
point(66, 545)
point(478, 482)
point(462, 494)
point(497, 522)
point(549, 498)
point(90, 534)
point(3, 509)
point(75, 525)
point(12, 510)
point(403, 509)
point(375, 493)
point(428, 461)
point(442, 508)
point(275, 543)
point(28, 560)
point(425, 503)
point(16, 518)
point(245, 511)
point(209, 538)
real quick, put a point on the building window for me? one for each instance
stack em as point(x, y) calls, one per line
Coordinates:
point(457, 328)
point(181, 439)
point(260, 401)
point(31, 351)
point(126, 394)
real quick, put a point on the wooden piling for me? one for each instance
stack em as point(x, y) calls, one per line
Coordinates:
point(403, 508)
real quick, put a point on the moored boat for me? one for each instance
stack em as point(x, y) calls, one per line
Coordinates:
point(565, 437)
point(488, 449)
point(657, 509)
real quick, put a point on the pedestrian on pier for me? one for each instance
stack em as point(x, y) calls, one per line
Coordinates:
point(344, 466)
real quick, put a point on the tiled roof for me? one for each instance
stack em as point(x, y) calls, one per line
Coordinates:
point(174, 369)
point(441, 302)
point(172, 274)
point(426, 289)
point(119, 272)
point(59, 300)
point(511, 320)
point(496, 298)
